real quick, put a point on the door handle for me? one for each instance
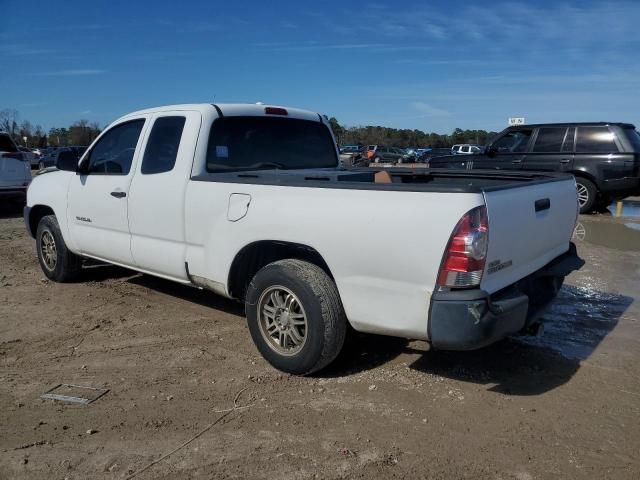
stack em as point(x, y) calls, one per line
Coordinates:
point(119, 194)
point(516, 161)
point(565, 160)
point(542, 204)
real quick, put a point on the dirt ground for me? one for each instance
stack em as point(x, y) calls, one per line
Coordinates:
point(566, 405)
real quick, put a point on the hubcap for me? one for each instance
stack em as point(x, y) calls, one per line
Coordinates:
point(48, 250)
point(282, 320)
point(583, 194)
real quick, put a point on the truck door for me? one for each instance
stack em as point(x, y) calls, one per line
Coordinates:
point(97, 211)
point(156, 202)
point(508, 151)
point(552, 150)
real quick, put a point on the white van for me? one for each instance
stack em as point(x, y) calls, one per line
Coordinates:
point(15, 170)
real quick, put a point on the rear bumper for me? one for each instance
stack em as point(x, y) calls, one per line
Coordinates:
point(621, 187)
point(13, 192)
point(471, 319)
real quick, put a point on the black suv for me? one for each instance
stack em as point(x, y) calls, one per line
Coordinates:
point(604, 157)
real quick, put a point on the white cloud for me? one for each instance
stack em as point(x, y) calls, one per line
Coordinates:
point(428, 110)
point(73, 72)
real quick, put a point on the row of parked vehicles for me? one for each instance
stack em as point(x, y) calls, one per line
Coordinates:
point(358, 154)
point(16, 163)
point(604, 157)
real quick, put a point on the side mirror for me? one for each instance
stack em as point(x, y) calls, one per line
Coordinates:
point(68, 162)
point(490, 151)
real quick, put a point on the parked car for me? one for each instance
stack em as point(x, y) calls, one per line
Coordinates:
point(384, 154)
point(604, 157)
point(351, 155)
point(202, 195)
point(29, 156)
point(52, 159)
point(15, 170)
point(465, 149)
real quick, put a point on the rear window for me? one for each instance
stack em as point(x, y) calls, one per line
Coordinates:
point(634, 137)
point(595, 140)
point(249, 143)
point(6, 144)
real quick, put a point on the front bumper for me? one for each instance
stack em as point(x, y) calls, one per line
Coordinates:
point(471, 319)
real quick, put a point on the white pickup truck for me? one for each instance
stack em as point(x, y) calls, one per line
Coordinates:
point(249, 201)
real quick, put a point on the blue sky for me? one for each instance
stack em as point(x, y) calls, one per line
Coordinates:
point(428, 65)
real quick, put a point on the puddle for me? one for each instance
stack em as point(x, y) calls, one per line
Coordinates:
point(629, 208)
point(618, 236)
point(578, 321)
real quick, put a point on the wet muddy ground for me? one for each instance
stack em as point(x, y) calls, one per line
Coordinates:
point(566, 405)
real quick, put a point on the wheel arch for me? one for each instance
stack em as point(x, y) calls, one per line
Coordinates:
point(36, 213)
point(587, 175)
point(252, 257)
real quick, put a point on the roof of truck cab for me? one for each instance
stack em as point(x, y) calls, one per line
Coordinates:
point(570, 124)
point(231, 110)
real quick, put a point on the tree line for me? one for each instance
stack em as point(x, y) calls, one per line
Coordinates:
point(81, 132)
point(376, 135)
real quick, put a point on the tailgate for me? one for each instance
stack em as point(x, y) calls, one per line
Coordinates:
point(12, 171)
point(529, 225)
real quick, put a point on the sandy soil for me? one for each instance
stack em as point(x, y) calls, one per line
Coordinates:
point(563, 406)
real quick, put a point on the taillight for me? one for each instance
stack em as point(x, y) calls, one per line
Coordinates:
point(466, 253)
point(275, 111)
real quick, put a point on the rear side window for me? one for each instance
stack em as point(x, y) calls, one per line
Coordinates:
point(113, 153)
point(162, 146)
point(595, 140)
point(549, 139)
point(250, 143)
point(6, 144)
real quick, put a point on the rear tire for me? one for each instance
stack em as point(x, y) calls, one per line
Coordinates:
point(587, 193)
point(295, 316)
point(57, 262)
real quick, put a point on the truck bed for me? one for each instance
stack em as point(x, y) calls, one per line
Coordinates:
point(418, 180)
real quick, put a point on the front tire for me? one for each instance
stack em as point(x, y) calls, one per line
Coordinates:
point(57, 262)
point(295, 316)
point(587, 193)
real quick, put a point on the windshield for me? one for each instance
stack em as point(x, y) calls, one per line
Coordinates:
point(6, 144)
point(249, 143)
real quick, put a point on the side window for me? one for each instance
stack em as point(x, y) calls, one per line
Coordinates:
point(595, 140)
point(549, 139)
point(162, 146)
point(113, 153)
point(569, 138)
point(514, 141)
